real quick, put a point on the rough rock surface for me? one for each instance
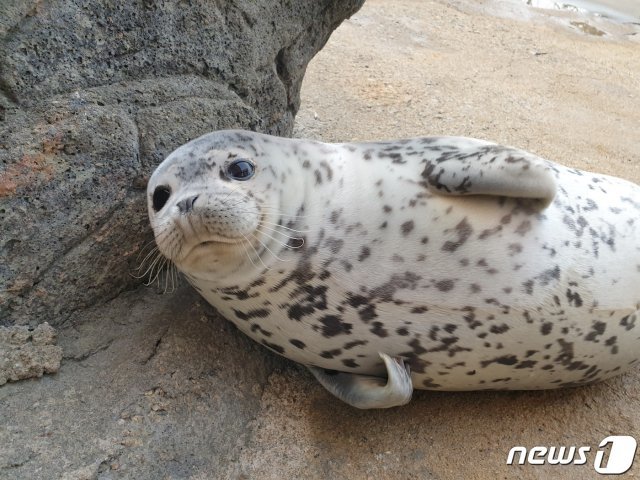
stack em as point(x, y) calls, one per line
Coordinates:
point(28, 352)
point(158, 386)
point(150, 388)
point(94, 94)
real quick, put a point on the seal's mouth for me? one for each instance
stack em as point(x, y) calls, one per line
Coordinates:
point(218, 241)
point(203, 241)
point(215, 242)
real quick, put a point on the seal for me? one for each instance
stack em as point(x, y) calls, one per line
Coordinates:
point(437, 263)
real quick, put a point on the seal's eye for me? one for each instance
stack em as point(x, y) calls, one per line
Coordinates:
point(240, 170)
point(160, 196)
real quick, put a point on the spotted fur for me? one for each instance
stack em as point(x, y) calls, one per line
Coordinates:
point(485, 267)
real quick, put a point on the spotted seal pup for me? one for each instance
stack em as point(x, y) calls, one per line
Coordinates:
point(438, 263)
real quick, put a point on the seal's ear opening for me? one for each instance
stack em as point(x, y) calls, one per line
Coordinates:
point(160, 197)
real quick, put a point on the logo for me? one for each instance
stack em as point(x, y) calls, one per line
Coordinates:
point(614, 456)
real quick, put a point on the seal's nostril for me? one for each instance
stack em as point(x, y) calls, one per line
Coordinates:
point(186, 205)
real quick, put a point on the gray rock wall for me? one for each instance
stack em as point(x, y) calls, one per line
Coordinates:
point(94, 94)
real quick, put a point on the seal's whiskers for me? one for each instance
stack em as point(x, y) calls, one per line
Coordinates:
point(152, 252)
point(157, 256)
point(278, 211)
point(261, 229)
point(264, 222)
point(247, 252)
point(256, 252)
point(151, 244)
point(266, 247)
point(171, 276)
point(157, 268)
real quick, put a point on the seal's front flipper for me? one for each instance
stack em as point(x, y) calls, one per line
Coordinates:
point(466, 166)
point(365, 391)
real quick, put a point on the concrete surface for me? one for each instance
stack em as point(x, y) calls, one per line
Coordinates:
point(158, 386)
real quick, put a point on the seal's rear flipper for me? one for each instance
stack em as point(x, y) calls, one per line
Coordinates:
point(466, 166)
point(365, 391)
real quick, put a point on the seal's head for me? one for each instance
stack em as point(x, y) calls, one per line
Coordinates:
point(209, 199)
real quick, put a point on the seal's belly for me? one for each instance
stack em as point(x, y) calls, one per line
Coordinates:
point(449, 349)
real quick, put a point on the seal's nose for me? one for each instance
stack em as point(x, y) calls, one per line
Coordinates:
point(186, 205)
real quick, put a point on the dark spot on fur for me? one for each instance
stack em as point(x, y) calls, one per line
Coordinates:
point(346, 265)
point(257, 328)
point(498, 329)
point(429, 383)
point(523, 228)
point(379, 330)
point(445, 285)
point(364, 253)
point(350, 362)
point(334, 244)
point(528, 287)
point(238, 293)
point(330, 353)
point(597, 329)
point(333, 325)
point(258, 283)
point(574, 298)
point(354, 343)
point(385, 292)
point(259, 313)
point(463, 231)
point(297, 343)
point(407, 227)
point(503, 360)
point(628, 322)
point(514, 249)
point(368, 313)
point(450, 328)
point(312, 299)
point(546, 277)
point(356, 300)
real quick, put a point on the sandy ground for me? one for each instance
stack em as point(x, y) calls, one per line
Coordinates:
point(157, 386)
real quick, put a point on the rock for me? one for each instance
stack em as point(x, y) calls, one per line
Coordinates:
point(27, 352)
point(93, 95)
